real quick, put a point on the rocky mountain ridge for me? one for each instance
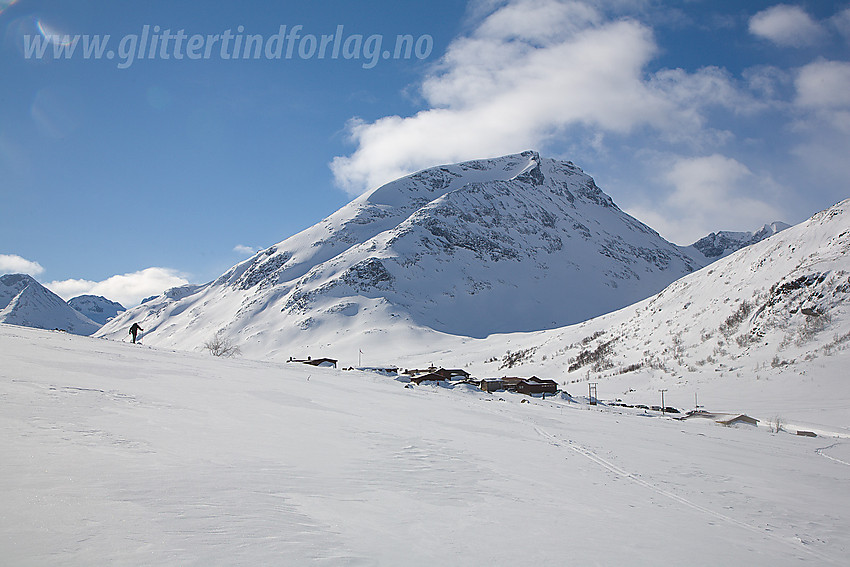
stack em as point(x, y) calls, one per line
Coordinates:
point(516, 243)
point(774, 310)
point(720, 244)
point(96, 307)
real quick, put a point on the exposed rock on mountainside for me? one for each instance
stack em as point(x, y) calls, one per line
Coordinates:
point(516, 243)
point(97, 308)
point(720, 244)
point(780, 302)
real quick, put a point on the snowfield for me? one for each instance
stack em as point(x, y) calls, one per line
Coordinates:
point(120, 454)
point(763, 331)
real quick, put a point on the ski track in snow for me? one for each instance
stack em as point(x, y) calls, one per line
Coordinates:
point(821, 450)
point(251, 501)
point(798, 543)
point(591, 455)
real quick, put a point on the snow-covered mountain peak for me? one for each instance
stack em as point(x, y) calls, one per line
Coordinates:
point(97, 308)
point(390, 205)
point(11, 285)
point(720, 244)
point(773, 228)
point(429, 184)
point(776, 308)
point(25, 302)
point(514, 243)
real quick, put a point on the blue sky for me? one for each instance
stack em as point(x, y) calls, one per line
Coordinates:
point(123, 176)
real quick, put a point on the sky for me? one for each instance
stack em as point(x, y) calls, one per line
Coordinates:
point(192, 137)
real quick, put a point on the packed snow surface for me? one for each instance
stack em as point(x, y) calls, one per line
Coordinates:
point(126, 454)
point(121, 454)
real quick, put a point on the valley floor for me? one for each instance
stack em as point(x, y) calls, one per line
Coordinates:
point(122, 454)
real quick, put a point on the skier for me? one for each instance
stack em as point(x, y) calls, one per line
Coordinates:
point(134, 330)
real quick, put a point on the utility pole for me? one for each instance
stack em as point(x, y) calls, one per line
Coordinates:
point(662, 400)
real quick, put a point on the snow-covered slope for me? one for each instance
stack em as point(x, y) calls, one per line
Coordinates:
point(119, 454)
point(756, 325)
point(24, 301)
point(720, 244)
point(96, 307)
point(516, 243)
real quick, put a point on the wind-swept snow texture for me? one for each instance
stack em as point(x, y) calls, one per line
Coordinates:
point(24, 301)
point(120, 454)
point(516, 243)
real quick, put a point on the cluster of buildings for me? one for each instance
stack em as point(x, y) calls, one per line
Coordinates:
point(528, 386)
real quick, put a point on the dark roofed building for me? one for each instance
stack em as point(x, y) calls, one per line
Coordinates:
point(529, 386)
point(453, 374)
point(535, 385)
point(511, 383)
point(491, 384)
point(415, 371)
point(324, 362)
point(383, 370)
point(428, 377)
point(445, 374)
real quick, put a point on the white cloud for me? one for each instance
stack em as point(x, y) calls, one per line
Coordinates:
point(788, 26)
point(515, 83)
point(825, 159)
point(822, 127)
point(841, 21)
point(66, 289)
point(14, 264)
point(767, 82)
point(824, 85)
point(710, 193)
point(126, 289)
point(709, 86)
point(242, 249)
point(544, 22)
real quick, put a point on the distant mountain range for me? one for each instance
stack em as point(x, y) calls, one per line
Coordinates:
point(97, 308)
point(511, 244)
point(762, 318)
point(720, 244)
point(24, 301)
